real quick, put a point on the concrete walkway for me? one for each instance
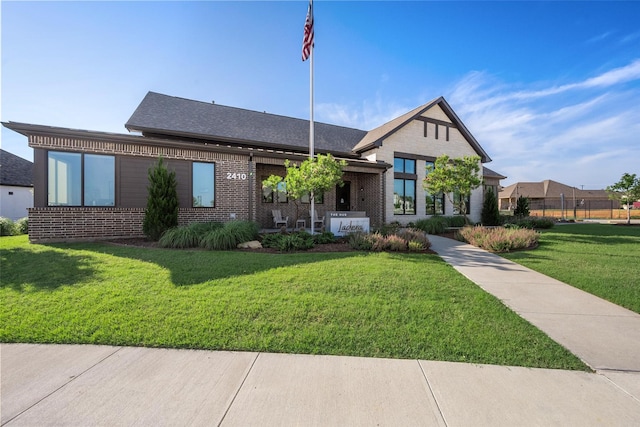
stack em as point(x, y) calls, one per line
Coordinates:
point(122, 386)
point(605, 336)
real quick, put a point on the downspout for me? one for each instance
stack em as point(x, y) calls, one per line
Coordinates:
point(251, 216)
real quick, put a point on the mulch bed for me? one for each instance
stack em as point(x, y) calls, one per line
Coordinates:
point(340, 246)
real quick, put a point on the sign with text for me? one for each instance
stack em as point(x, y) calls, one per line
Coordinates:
point(343, 223)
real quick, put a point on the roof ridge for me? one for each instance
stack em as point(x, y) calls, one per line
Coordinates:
point(255, 111)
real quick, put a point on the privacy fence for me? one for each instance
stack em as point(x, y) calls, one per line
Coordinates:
point(580, 209)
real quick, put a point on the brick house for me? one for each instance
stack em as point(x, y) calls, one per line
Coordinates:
point(93, 185)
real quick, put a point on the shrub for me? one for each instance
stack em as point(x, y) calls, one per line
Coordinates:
point(415, 246)
point(433, 225)
point(360, 241)
point(499, 239)
point(7, 227)
point(379, 242)
point(301, 241)
point(324, 238)
point(22, 226)
point(522, 207)
point(161, 212)
point(189, 236)
point(230, 235)
point(456, 221)
point(388, 229)
point(395, 243)
point(415, 235)
point(490, 214)
point(531, 222)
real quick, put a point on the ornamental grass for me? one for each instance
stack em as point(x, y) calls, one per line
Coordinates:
point(499, 239)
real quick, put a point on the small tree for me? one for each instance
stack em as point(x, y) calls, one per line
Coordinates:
point(312, 177)
point(522, 207)
point(627, 189)
point(459, 175)
point(161, 212)
point(490, 213)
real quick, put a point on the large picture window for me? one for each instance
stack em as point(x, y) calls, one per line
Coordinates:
point(75, 179)
point(404, 186)
point(203, 185)
point(99, 177)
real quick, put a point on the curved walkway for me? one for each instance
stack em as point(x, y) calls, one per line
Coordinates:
point(121, 386)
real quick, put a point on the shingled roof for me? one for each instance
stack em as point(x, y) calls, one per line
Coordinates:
point(15, 170)
point(377, 136)
point(165, 115)
point(548, 189)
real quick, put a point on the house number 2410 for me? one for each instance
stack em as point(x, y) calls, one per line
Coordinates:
point(241, 176)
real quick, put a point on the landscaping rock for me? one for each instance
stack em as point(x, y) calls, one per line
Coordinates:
point(254, 244)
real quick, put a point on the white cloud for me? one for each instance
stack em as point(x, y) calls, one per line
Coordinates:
point(580, 133)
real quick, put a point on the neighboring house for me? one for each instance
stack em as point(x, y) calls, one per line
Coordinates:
point(91, 185)
point(16, 185)
point(492, 181)
point(549, 196)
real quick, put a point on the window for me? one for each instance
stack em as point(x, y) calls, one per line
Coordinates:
point(434, 203)
point(404, 196)
point(457, 198)
point(203, 185)
point(99, 177)
point(318, 198)
point(404, 186)
point(269, 195)
point(75, 179)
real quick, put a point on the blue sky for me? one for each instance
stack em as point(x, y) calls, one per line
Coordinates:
point(551, 90)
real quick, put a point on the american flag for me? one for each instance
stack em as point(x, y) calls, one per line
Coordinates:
point(307, 40)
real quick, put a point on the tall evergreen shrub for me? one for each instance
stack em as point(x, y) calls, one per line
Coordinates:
point(490, 214)
point(522, 207)
point(161, 212)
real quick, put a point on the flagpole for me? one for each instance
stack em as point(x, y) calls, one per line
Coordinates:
point(311, 130)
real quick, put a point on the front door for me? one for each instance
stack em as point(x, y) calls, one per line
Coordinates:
point(343, 196)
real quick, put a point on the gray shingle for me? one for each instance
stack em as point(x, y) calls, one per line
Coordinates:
point(15, 170)
point(168, 115)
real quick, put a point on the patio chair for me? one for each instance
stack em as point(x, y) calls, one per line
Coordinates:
point(318, 221)
point(278, 220)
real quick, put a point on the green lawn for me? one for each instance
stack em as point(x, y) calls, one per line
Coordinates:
point(601, 259)
point(362, 304)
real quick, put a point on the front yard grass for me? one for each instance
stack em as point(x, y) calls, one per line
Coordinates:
point(361, 304)
point(602, 259)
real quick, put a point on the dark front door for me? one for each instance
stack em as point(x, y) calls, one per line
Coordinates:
point(343, 196)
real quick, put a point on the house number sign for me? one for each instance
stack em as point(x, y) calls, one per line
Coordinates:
point(236, 176)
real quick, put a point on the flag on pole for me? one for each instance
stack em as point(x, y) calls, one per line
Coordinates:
point(307, 40)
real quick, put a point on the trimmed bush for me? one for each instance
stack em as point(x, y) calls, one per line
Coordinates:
point(7, 227)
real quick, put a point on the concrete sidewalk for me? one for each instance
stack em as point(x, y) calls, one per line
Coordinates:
point(605, 336)
point(121, 386)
